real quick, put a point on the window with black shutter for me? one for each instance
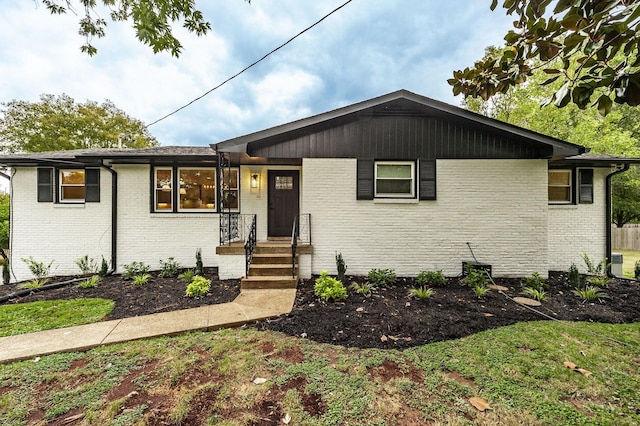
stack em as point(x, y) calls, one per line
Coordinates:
point(45, 185)
point(92, 185)
point(365, 180)
point(427, 170)
point(585, 177)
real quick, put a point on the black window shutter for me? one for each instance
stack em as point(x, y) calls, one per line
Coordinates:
point(585, 178)
point(427, 179)
point(92, 185)
point(365, 180)
point(45, 185)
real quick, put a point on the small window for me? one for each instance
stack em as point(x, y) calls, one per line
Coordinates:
point(394, 179)
point(163, 189)
point(230, 190)
point(560, 188)
point(72, 186)
point(197, 189)
point(585, 177)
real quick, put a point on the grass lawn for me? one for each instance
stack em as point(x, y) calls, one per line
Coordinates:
point(46, 315)
point(629, 259)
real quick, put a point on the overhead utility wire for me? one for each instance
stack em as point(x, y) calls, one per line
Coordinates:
point(253, 64)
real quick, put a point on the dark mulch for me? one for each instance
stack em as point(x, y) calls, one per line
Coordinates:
point(158, 295)
point(388, 318)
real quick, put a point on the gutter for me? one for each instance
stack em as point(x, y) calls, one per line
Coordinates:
point(608, 214)
point(114, 217)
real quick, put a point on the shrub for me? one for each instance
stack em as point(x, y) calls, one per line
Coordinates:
point(381, 277)
point(169, 268)
point(90, 282)
point(38, 269)
point(199, 267)
point(536, 282)
point(87, 265)
point(363, 289)
point(593, 269)
point(534, 293)
point(431, 278)
point(187, 275)
point(199, 286)
point(141, 279)
point(341, 267)
point(104, 268)
point(574, 276)
point(134, 268)
point(480, 290)
point(636, 270)
point(421, 292)
point(6, 274)
point(589, 293)
point(328, 288)
point(475, 277)
point(35, 283)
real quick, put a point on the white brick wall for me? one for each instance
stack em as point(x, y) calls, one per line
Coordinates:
point(56, 232)
point(574, 229)
point(490, 203)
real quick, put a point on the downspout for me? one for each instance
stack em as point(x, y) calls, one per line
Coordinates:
point(114, 217)
point(608, 215)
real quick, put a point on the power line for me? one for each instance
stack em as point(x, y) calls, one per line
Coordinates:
point(253, 64)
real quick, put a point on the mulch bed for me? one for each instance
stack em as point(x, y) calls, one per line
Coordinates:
point(388, 318)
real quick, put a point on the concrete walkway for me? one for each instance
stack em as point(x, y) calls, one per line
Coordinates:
point(249, 306)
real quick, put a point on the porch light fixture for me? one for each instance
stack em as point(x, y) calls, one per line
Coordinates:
point(255, 178)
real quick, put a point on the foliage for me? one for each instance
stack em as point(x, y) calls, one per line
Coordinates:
point(636, 270)
point(363, 289)
point(574, 276)
point(199, 268)
point(475, 277)
point(35, 283)
point(104, 268)
point(597, 272)
point(30, 317)
point(535, 293)
point(421, 292)
point(381, 277)
point(6, 274)
point(341, 267)
point(480, 290)
point(90, 282)
point(431, 278)
point(169, 268)
point(328, 288)
point(599, 36)
point(153, 21)
point(87, 265)
point(5, 211)
point(141, 279)
point(590, 292)
point(625, 195)
point(199, 286)
point(536, 282)
point(134, 268)
point(187, 275)
point(58, 123)
point(38, 269)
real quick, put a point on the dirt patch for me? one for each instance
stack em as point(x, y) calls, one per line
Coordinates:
point(391, 318)
point(389, 370)
point(454, 375)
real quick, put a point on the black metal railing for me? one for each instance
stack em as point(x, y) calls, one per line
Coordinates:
point(234, 227)
point(300, 232)
point(250, 245)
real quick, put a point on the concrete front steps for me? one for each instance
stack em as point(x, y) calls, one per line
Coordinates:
point(270, 267)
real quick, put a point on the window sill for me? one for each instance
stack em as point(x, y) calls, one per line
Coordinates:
point(395, 201)
point(563, 206)
point(78, 205)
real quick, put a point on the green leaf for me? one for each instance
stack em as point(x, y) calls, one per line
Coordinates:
point(604, 105)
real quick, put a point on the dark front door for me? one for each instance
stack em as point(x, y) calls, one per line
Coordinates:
point(284, 201)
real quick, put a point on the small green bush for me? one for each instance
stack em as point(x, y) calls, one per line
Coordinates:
point(90, 282)
point(589, 293)
point(480, 290)
point(169, 268)
point(38, 269)
point(35, 283)
point(134, 268)
point(431, 278)
point(187, 275)
point(421, 292)
point(104, 268)
point(536, 282)
point(141, 279)
point(574, 276)
point(6, 274)
point(381, 277)
point(328, 288)
point(363, 289)
point(534, 293)
point(199, 286)
point(199, 267)
point(636, 270)
point(87, 265)
point(475, 277)
point(341, 267)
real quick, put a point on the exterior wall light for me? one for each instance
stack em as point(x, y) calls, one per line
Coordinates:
point(255, 179)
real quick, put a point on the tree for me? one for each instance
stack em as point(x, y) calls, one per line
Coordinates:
point(59, 123)
point(151, 19)
point(601, 36)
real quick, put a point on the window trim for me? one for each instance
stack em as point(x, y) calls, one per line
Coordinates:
point(571, 187)
point(377, 195)
point(222, 190)
point(155, 188)
point(60, 185)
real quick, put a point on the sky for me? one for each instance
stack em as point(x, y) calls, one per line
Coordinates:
point(367, 49)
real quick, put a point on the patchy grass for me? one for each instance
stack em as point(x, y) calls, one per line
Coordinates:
point(629, 258)
point(46, 315)
point(210, 378)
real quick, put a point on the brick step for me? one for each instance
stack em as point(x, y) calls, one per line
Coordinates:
point(268, 283)
point(272, 248)
point(271, 258)
point(270, 269)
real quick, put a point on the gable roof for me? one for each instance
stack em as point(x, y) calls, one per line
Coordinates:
point(400, 103)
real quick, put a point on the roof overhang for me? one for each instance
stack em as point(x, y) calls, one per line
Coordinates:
point(596, 160)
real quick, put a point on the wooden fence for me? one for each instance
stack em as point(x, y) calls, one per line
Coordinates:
point(626, 238)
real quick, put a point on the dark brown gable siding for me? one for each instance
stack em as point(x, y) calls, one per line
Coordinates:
point(397, 137)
